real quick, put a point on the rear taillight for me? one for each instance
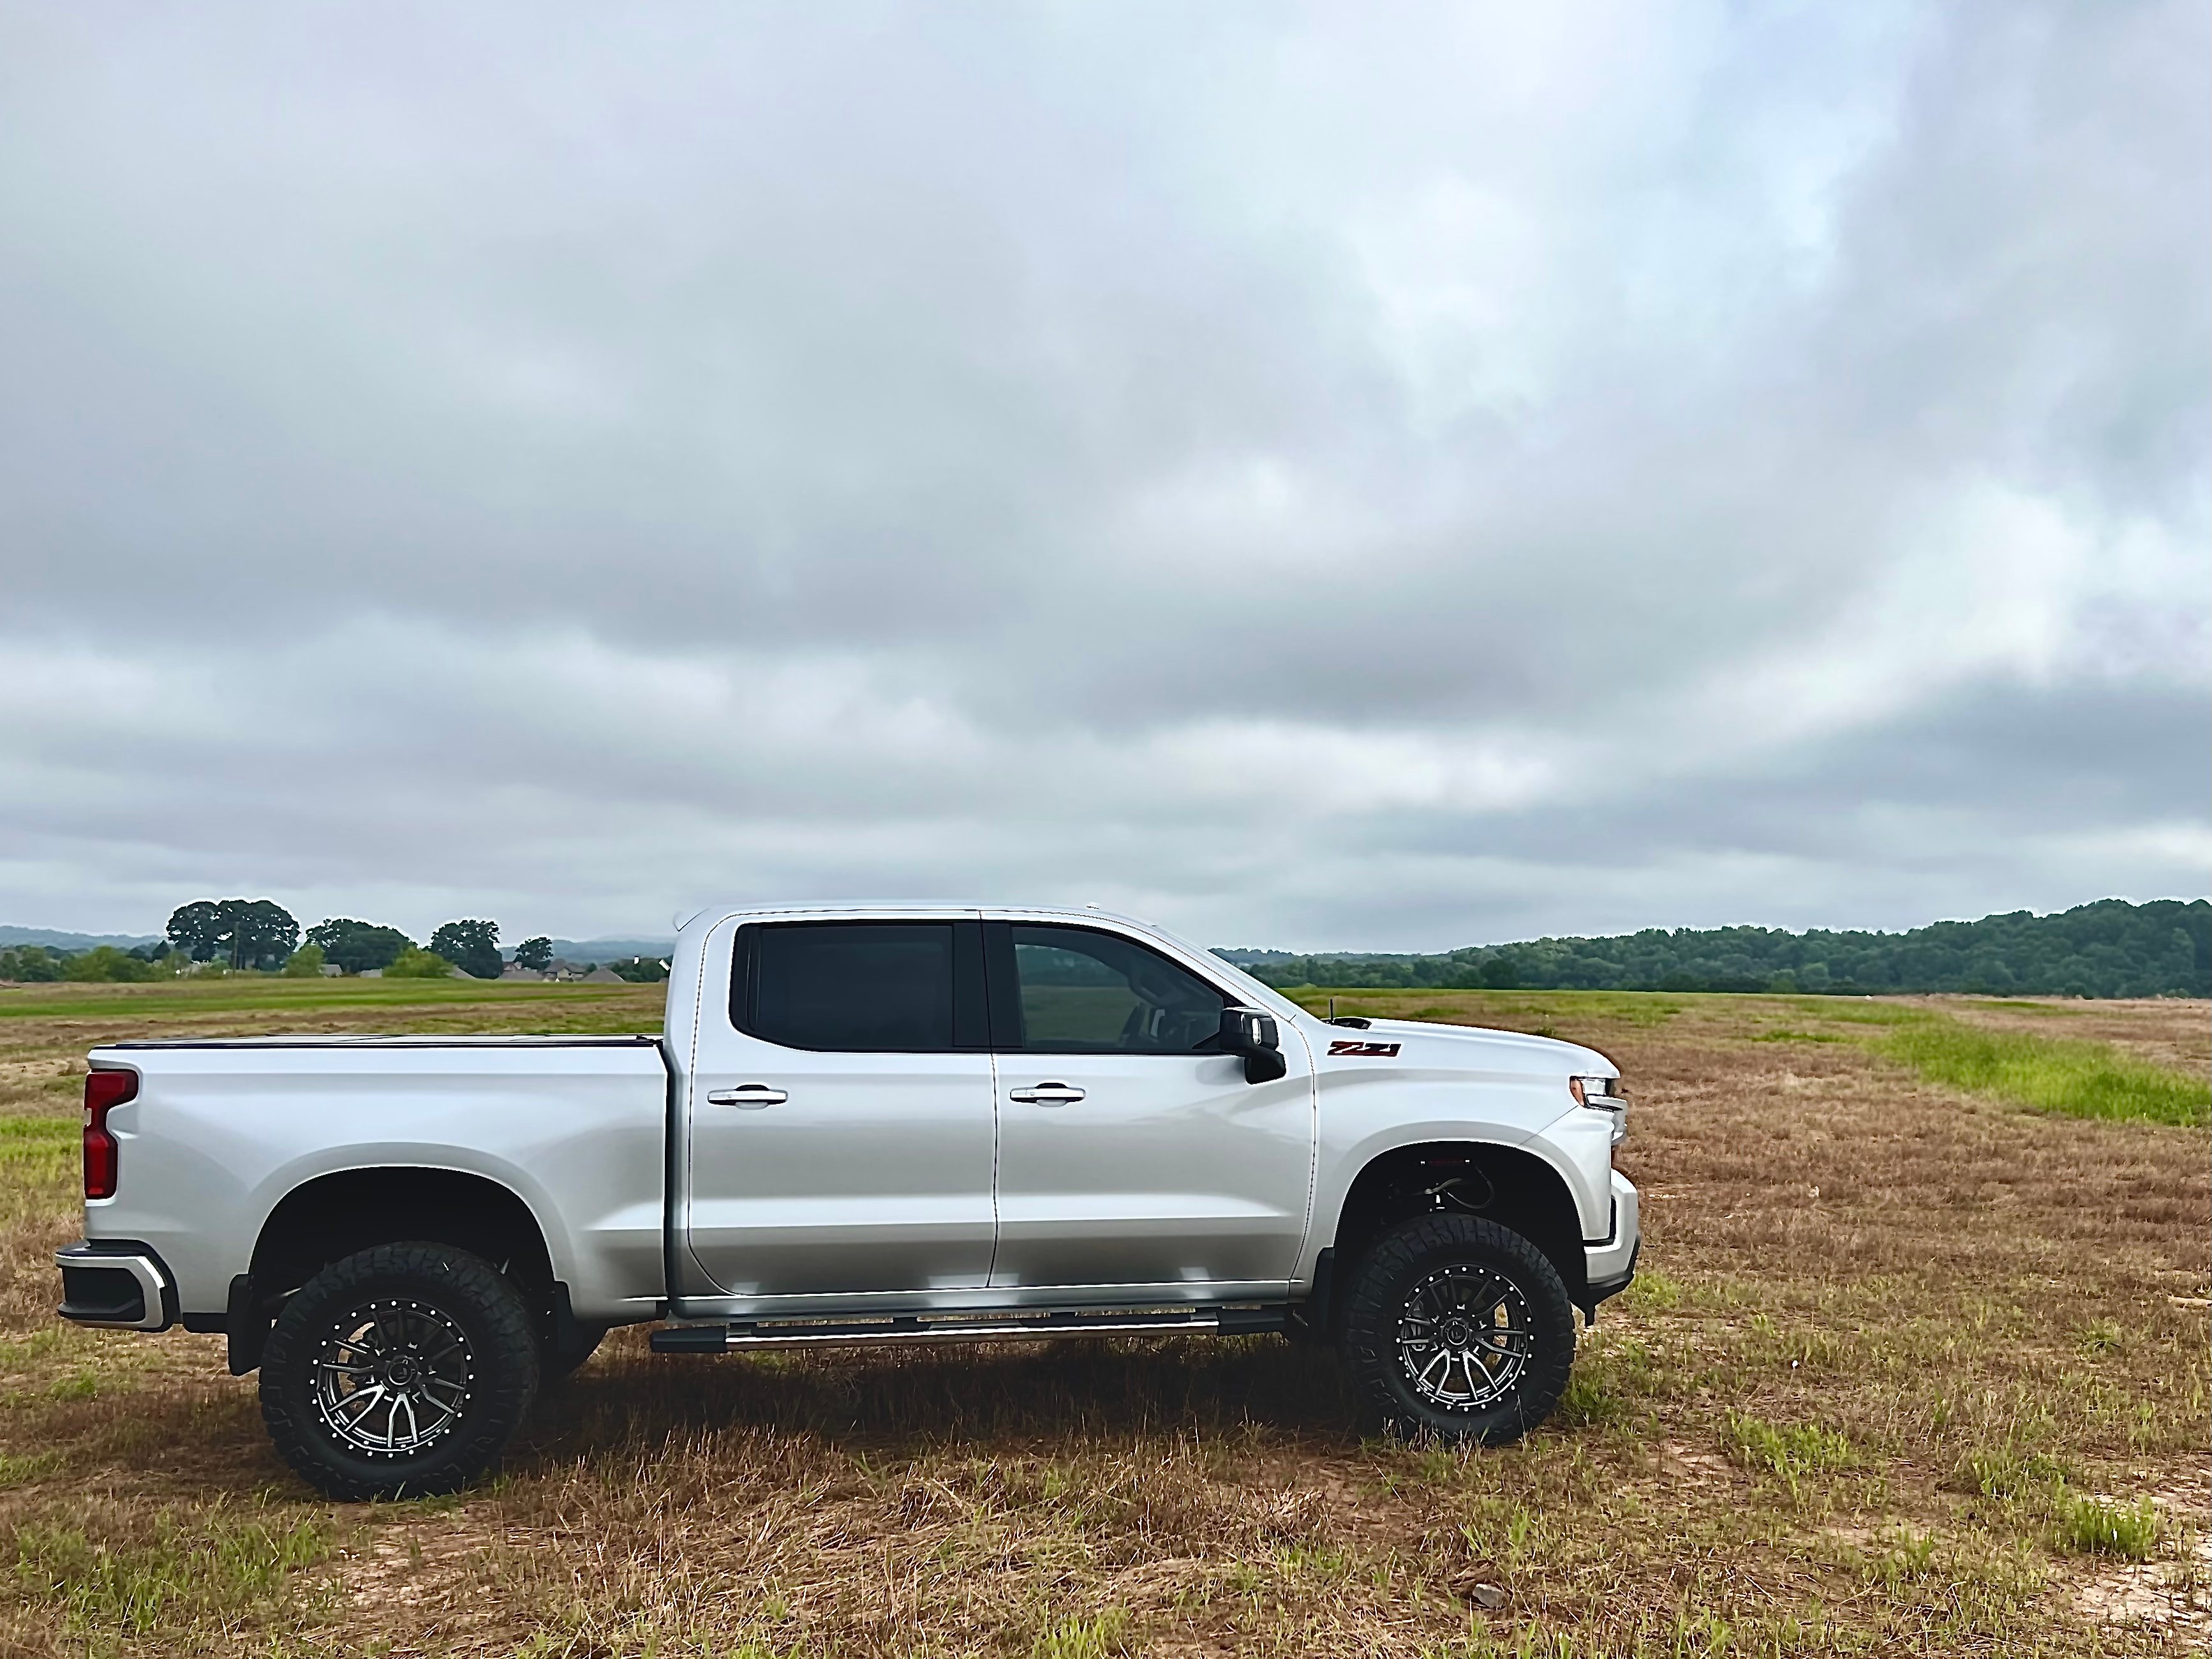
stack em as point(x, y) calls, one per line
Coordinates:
point(103, 1092)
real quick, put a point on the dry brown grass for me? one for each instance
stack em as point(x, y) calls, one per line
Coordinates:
point(1887, 1335)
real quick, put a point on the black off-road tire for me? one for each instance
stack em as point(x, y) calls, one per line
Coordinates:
point(1440, 1256)
point(418, 1299)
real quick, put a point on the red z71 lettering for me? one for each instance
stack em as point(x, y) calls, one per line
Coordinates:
point(1363, 1050)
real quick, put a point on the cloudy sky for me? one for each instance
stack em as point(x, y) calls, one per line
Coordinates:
point(1360, 476)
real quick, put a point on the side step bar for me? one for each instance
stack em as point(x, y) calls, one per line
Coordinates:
point(1012, 1327)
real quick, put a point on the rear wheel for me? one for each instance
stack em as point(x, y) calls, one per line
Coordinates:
point(399, 1371)
point(1460, 1327)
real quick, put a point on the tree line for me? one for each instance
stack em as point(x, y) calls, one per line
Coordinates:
point(2109, 949)
point(260, 936)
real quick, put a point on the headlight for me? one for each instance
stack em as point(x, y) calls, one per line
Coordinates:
point(1602, 1094)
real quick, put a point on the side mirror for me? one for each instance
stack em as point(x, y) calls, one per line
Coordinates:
point(1251, 1033)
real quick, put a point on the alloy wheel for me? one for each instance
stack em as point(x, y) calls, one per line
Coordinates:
point(392, 1378)
point(1465, 1336)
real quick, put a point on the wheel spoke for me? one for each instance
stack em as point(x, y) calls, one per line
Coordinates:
point(1467, 1369)
point(367, 1399)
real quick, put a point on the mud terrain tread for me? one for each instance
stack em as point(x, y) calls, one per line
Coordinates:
point(500, 1329)
point(1418, 1246)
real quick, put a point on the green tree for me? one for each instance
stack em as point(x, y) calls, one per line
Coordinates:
point(31, 964)
point(470, 946)
point(2108, 948)
point(197, 929)
point(244, 933)
point(534, 953)
point(263, 933)
point(306, 963)
point(104, 964)
point(412, 964)
point(358, 946)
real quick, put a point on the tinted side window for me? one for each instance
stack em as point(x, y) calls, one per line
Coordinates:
point(860, 988)
point(1087, 993)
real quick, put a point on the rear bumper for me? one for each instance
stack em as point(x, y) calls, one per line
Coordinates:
point(1609, 1264)
point(116, 1283)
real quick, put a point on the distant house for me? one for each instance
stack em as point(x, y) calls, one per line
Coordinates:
point(331, 970)
point(604, 975)
point(513, 970)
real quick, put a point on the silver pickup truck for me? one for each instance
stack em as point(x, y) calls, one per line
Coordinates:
point(880, 1124)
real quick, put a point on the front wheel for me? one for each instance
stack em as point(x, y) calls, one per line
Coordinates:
point(1459, 1327)
point(399, 1371)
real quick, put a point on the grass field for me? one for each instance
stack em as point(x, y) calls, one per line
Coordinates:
point(1917, 1366)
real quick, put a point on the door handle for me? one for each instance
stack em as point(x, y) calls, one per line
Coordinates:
point(749, 1096)
point(1047, 1094)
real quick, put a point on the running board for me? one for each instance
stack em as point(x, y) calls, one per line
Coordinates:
point(1010, 1327)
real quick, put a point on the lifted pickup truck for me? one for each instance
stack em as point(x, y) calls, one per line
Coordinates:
point(902, 1124)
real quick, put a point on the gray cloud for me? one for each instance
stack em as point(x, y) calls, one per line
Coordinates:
point(1386, 478)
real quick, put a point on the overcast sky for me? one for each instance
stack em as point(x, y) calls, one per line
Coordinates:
point(1365, 476)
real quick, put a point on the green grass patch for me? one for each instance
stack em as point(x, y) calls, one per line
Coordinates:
point(2006, 1471)
point(2091, 1526)
point(1653, 1291)
point(207, 1570)
point(1084, 1638)
point(1859, 1010)
point(33, 1144)
point(1610, 1381)
point(1789, 1450)
point(21, 1469)
point(2020, 1007)
point(2051, 1074)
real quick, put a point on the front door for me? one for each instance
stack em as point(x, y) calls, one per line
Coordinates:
point(839, 1115)
point(1132, 1151)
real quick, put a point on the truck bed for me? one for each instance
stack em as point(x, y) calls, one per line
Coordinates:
point(574, 1126)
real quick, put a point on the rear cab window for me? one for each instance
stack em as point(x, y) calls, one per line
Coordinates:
point(861, 987)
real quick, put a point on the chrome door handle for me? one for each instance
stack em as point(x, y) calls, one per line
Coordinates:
point(751, 1097)
point(1047, 1094)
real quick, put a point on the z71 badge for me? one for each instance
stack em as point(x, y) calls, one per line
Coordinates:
point(1363, 1050)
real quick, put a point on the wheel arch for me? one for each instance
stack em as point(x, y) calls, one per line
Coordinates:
point(333, 1215)
point(1511, 1185)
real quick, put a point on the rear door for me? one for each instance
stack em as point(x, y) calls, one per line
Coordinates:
point(840, 1117)
point(1132, 1151)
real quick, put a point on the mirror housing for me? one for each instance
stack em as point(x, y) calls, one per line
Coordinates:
point(1251, 1032)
